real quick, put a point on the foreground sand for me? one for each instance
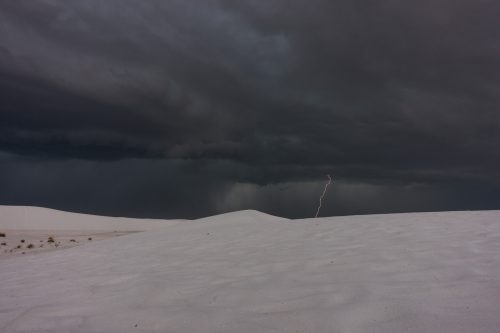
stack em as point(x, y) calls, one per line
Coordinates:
point(251, 272)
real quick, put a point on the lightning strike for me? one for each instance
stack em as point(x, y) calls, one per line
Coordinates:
point(323, 194)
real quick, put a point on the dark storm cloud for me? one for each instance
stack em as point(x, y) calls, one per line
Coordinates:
point(384, 93)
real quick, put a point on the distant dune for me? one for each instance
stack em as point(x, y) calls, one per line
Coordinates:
point(252, 272)
point(38, 218)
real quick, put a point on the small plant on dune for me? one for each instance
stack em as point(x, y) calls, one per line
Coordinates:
point(2, 234)
point(30, 246)
point(72, 240)
point(50, 239)
point(5, 244)
point(22, 240)
point(90, 238)
point(18, 247)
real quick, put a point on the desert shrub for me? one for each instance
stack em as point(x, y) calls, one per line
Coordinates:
point(18, 247)
point(2, 234)
point(22, 240)
point(50, 239)
point(30, 246)
point(4, 243)
point(72, 240)
point(90, 238)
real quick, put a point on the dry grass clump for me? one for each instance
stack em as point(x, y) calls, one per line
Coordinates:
point(2, 234)
point(50, 240)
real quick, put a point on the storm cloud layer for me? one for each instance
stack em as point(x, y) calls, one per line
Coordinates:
point(186, 108)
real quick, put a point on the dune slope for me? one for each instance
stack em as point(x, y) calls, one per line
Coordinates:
point(251, 272)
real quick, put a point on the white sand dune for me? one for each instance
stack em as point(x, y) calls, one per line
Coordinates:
point(251, 272)
point(38, 218)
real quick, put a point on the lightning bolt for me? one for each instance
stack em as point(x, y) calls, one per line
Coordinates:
point(323, 194)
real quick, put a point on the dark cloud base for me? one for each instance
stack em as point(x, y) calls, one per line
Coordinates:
point(193, 189)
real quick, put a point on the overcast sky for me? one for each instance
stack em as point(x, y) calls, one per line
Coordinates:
point(188, 108)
